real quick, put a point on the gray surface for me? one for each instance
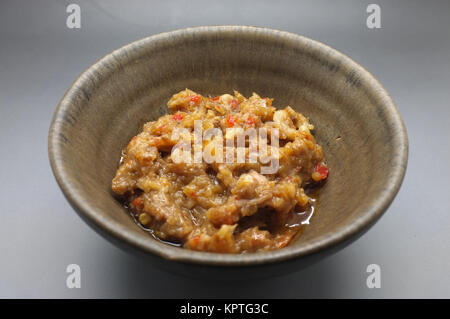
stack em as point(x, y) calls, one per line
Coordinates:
point(40, 234)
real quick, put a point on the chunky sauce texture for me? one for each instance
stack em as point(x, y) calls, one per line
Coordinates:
point(221, 207)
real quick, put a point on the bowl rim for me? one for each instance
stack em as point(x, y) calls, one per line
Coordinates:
point(91, 214)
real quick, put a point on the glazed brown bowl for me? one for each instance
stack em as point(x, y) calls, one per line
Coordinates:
point(357, 123)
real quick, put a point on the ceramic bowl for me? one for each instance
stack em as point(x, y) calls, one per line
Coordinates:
point(357, 123)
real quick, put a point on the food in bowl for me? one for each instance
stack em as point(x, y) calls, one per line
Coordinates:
point(229, 199)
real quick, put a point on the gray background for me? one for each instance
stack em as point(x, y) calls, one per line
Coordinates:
point(40, 234)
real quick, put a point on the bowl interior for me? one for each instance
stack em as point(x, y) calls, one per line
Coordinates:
point(356, 122)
